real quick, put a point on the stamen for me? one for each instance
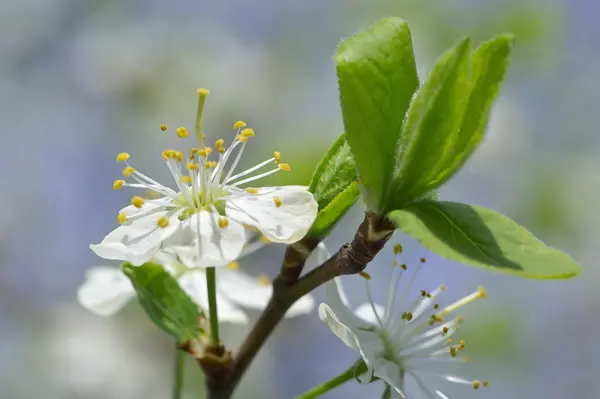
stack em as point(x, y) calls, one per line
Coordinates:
point(480, 293)
point(123, 156)
point(163, 127)
point(233, 265)
point(203, 153)
point(277, 201)
point(239, 124)
point(192, 166)
point(219, 143)
point(163, 222)
point(186, 179)
point(118, 184)
point(264, 280)
point(128, 171)
point(476, 384)
point(211, 164)
point(397, 249)
point(277, 156)
point(223, 222)
point(284, 166)
point(365, 275)
point(247, 132)
point(252, 190)
point(182, 132)
point(137, 201)
point(241, 139)
point(179, 156)
point(121, 218)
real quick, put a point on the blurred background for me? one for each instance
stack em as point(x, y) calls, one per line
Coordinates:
point(81, 80)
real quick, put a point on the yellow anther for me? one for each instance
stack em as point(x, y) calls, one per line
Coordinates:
point(162, 222)
point(422, 260)
point(403, 266)
point(128, 171)
point(121, 218)
point(482, 292)
point(452, 351)
point(476, 384)
point(436, 306)
point(423, 293)
point(221, 149)
point(211, 164)
point(365, 275)
point(179, 156)
point(203, 91)
point(461, 344)
point(186, 179)
point(277, 156)
point(239, 124)
point(208, 150)
point(264, 239)
point(247, 132)
point(284, 166)
point(252, 190)
point(182, 132)
point(137, 201)
point(118, 184)
point(397, 249)
point(233, 265)
point(223, 222)
point(219, 143)
point(194, 150)
point(203, 153)
point(264, 280)
point(123, 156)
point(163, 127)
point(445, 329)
point(166, 154)
point(404, 316)
point(485, 383)
point(409, 316)
point(241, 139)
point(192, 166)
point(277, 201)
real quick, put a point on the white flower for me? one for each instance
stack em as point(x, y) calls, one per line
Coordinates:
point(211, 202)
point(106, 289)
point(401, 341)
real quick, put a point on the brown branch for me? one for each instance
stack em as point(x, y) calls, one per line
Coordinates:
point(352, 258)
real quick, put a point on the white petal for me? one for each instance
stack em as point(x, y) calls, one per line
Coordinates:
point(345, 333)
point(302, 306)
point(365, 312)
point(318, 256)
point(243, 288)
point(137, 241)
point(194, 284)
point(390, 373)
point(287, 223)
point(214, 246)
point(105, 291)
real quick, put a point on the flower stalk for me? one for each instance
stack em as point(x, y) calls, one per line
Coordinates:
point(356, 369)
point(178, 374)
point(211, 290)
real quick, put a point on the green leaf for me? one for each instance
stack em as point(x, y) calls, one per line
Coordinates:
point(333, 212)
point(488, 69)
point(335, 172)
point(164, 301)
point(480, 237)
point(432, 126)
point(377, 78)
point(334, 186)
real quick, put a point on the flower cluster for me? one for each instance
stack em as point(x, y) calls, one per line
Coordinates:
point(405, 339)
point(208, 219)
